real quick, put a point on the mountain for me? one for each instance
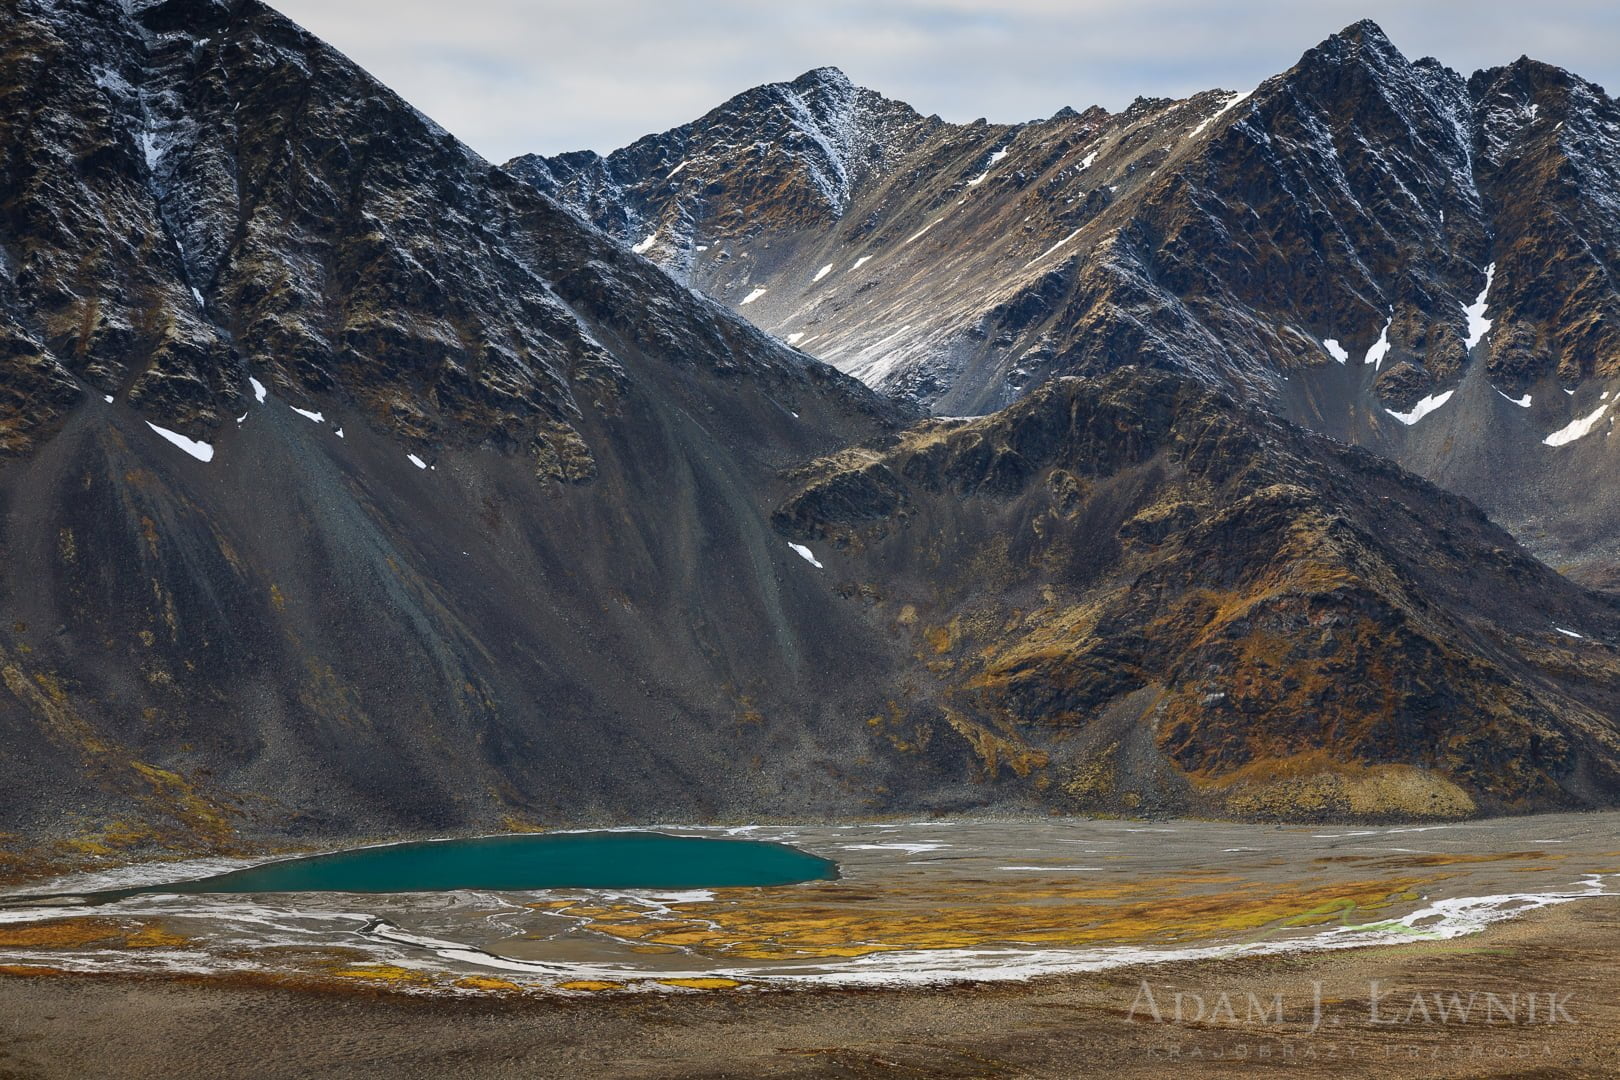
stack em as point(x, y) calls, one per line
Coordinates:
point(356, 487)
point(1140, 594)
point(1375, 247)
point(352, 487)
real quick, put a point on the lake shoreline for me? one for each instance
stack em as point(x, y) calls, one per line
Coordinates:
point(1343, 1013)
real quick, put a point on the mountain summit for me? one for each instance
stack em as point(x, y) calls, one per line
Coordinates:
point(796, 152)
point(1376, 247)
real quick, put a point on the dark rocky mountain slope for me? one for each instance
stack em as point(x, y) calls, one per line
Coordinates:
point(1146, 595)
point(353, 487)
point(1350, 242)
point(482, 522)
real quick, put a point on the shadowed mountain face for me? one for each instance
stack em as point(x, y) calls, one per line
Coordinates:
point(1146, 595)
point(1348, 243)
point(352, 486)
point(482, 525)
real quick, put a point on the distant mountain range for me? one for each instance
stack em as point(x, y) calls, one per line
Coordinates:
point(1381, 249)
point(354, 487)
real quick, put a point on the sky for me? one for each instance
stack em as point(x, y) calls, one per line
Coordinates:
point(519, 76)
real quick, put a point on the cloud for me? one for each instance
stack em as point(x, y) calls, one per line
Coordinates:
point(512, 76)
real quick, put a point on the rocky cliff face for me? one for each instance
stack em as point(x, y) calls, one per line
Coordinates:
point(1350, 242)
point(352, 486)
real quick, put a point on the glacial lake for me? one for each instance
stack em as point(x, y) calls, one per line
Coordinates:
point(522, 862)
point(852, 904)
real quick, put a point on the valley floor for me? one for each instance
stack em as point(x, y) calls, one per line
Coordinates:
point(1556, 962)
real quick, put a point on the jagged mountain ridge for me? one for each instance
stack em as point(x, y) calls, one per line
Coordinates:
point(422, 505)
point(1353, 206)
point(796, 151)
point(212, 258)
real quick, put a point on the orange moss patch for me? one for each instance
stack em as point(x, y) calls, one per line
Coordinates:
point(484, 982)
point(28, 971)
point(1155, 911)
point(996, 750)
point(386, 973)
point(81, 933)
point(594, 985)
point(153, 936)
point(702, 984)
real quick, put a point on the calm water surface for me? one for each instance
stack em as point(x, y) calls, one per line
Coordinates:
point(523, 862)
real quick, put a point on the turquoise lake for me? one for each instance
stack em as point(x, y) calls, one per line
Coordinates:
point(595, 860)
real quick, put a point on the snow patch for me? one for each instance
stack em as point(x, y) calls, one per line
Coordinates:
point(995, 159)
point(1422, 408)
point(1086, 162)
point(806, 554)
point(199, 450)
point(1336, 350)
point(108, 79)
point(924, 229)
point(860, 261)
point(751, 297)
point(1478, 324)
point(1235, 99)
point(676, 170)
point(1521, 402)
point(1053, 248)
point(645, 245)
point(793, 338)
point(151, 149)
point(308, 415)
point(909, 849)
point(1576, 429)
point(259, 391)
point(1569, 633)
point(823, 272)
point(1380, 348)
point(339, 433)
point(418, 462)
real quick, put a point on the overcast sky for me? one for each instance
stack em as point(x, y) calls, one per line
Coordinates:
point(513, 76)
